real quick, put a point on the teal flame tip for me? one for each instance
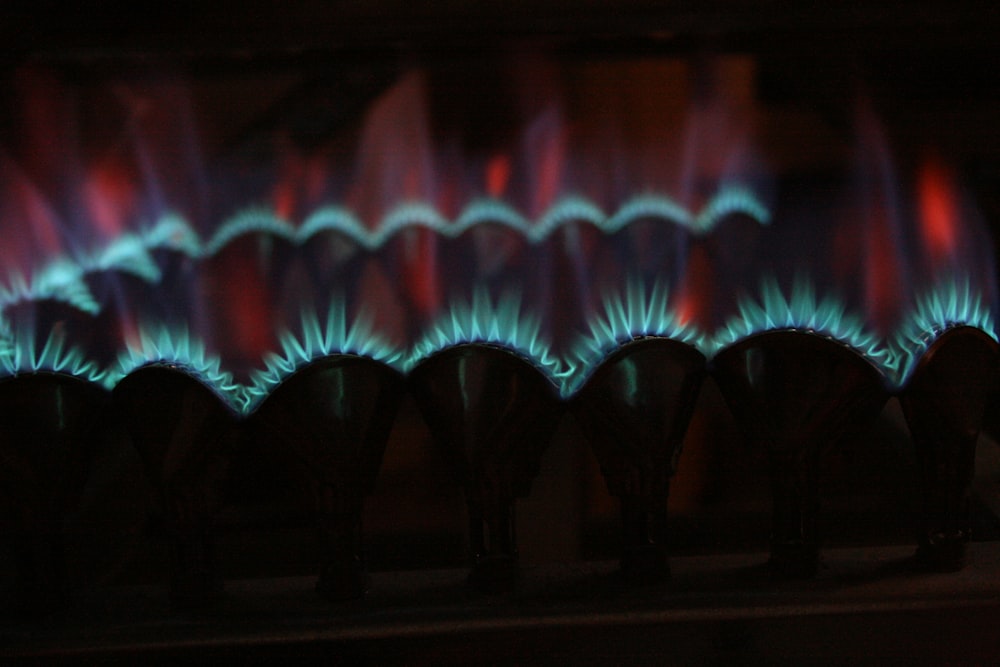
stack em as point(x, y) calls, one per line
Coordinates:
point(481, 321)
point(951, 302)
point(64, 278)
point(803, 312)
point(20, 356)
point(333, 336)
point(174, 346)
point(628, 316)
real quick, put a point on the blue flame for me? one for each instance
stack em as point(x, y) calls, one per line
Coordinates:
point(951, 303)
point(20, 356)
point(409, 214)
point(127, 254)
point(802, 312)
point(319, 339)
point(730, 200)
point(485, 211)
point(60, 280)
point(253, 220)
point(174, 233)
point(625, 318)
point(503, 325)
point(565, 211)
point(337, 219)
point(571, 209)
point(648, 206)
point(63, 279)
point(174, 346)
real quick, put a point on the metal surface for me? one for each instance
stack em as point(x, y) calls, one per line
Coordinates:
point(635, 409)
point(494, 414)
point(183, 432)
point(944, 402)
point(334, 418)
point(867, 605)
point(123, 28)
point(796, 394)
point(47, 424)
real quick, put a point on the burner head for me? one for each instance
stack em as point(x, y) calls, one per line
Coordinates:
point(947, 393)
point(792, 387)
point(48, 423)
point(493, 412)
point(944, 402)
point(334, 415)
point(183, 431)
point(796, 393)
point(636, 408)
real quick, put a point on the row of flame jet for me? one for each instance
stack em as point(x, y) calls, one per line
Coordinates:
point(635, 312)
point(638, 312)
point(62, 278)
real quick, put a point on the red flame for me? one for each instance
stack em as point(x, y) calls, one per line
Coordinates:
point(110, 198)
point(396, 160)
point(694, 294)
point(421, 280)
point(242, 316)
point(546, 143)
point(877, 244)
point(497, 176)
point(30, 226)
point(939, 210)
point(42, 124)
point(883, 275)
point(129, 330)
point(284, 195)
